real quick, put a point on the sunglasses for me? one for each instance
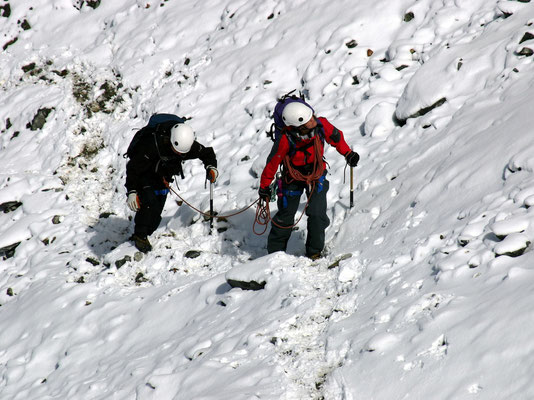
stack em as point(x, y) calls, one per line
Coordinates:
point(303, 130)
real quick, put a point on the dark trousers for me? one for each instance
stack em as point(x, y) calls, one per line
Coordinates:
point(147, 219)
point(288, 205)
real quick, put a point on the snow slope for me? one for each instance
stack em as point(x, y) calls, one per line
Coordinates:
point(425, 291)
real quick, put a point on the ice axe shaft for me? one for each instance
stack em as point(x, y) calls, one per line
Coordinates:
point(211, 205)
point(351, 187)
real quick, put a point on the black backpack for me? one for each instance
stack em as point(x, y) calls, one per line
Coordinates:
point(151, 128)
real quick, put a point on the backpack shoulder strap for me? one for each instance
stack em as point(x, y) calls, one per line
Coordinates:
point(138, 136)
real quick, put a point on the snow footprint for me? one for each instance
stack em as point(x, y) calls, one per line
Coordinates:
point(427, 305)
point(437, 349)
point(198, 349)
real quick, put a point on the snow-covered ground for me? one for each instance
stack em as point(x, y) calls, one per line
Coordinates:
point(426, 289)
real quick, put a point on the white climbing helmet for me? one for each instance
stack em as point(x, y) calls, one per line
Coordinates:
point(182, 137)
point(296, 114)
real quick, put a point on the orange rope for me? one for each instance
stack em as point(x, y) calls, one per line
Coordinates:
point(318, 165)
point(263, 216)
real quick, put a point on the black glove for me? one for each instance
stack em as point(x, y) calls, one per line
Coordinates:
point(352, 158)
point(265, 193)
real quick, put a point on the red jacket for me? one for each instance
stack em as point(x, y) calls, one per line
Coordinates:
point(281, 148)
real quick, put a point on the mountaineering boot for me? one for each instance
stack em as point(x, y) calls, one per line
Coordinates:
point(141, 243)
point(315, 256)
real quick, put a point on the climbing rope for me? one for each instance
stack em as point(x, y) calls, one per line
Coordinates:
point(263, 213)
point(208, 215)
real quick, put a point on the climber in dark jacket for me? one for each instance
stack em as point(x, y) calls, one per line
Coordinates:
point(154, 160)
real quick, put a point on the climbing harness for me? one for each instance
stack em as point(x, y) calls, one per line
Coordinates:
point(263, 214)
point(318, 165)
point(161, 192)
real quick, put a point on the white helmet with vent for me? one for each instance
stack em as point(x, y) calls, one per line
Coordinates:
point(182, 137)
point(296, 114)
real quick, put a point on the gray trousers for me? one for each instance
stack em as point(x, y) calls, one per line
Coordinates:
point(288, 203)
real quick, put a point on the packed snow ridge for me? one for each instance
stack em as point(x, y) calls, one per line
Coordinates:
point(425, 291)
